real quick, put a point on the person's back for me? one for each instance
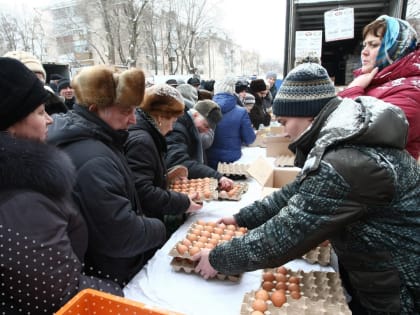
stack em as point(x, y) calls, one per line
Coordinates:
point(233, 130)
point(121, 239)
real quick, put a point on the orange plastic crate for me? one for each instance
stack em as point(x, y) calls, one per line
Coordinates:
point(93, 302)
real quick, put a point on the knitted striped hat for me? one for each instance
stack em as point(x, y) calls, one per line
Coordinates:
point(304, 92)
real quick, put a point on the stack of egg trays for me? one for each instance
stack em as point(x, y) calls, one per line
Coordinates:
point(234, 171)
point(239, 190)
point(183, 262)
point(212, 186)
point(319, 255)
point(321, 294)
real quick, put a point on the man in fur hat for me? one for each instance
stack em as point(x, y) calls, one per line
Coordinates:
point(121, 239)
point(184, 142)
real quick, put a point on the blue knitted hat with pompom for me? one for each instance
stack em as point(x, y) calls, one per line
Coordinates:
point(304, 92)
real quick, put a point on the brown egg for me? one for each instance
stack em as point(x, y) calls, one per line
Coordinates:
point(199, 244)
point(262, 295)
point(202, 239)
point(295, 295)
point(293, 279)
point(212, 224)
point(194, 250)
point(268, 276)
point(231, 227)
point(282, 270)
point(191, 237)
point(207, 194)
point(222, 226)
point(218, 230)
point(293, 287)
point(280, 277)
point(216, 236)
point(208, 228)
point(195, 231)
point(281, 286)
point(181, 248)
point(198, 227)
point(213, 241)
point(243, 229)
point(278, 298)
point(268, 285)
point(226, 237)
point(186, 242)
point(205, 234)
point(259, 305)
point(201, 222)
point(210, 245)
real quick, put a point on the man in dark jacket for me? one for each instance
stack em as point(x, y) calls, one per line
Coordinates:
point(184, 142)
point(358, 188)
point(121, 239)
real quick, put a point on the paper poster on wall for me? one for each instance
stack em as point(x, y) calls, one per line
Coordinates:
point(308, 44)
point(339, 24)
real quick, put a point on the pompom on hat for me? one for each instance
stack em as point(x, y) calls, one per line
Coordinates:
point(29, 60)
point(210, 111)
point(304, 92)
point(21, 92)
point(103, 86)
point(163, 99)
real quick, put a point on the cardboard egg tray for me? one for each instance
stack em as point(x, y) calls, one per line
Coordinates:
point(233, 170)
point(206, 187)
point(319, 255)
point(202, 235)
point(319, 293)
point(235, 193)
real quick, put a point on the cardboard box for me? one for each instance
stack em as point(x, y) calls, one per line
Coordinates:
point(89, 301)
point(270, 177)
point(277, 145)
point(264, 133)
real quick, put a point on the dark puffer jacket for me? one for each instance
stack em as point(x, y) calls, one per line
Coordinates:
point(144, 150)
point(42, 236)
point(258, 113)
point(359, 189)
point(185, 148)
point(121, 239)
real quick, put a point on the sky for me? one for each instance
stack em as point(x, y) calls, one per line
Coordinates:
point(254, 25)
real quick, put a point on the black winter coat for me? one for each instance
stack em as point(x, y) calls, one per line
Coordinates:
point(43, 237)
point(259, 114)
point(121, 239)
point(144, 150)
point(184, 148)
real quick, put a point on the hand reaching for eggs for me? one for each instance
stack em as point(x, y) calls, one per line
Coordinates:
point(194, 206)
point(227, 220)
point(203, 267)
point(226, 183)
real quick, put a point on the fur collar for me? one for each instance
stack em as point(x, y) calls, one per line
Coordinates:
point(26, 164)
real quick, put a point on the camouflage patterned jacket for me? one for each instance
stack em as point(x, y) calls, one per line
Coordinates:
point(359, 189)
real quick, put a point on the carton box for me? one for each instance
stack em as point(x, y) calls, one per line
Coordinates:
point(90, 301)
point(277, 145)
point(270, 177)
point(262, 134)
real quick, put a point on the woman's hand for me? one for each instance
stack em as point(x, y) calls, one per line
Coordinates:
point(194, 205)
point(364, 79)
point(203, 267)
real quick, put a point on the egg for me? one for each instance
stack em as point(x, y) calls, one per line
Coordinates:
point(194, 250)
point(281, 286)
point(181, 248)
point(259, 305)
point(268, 276)
point(278, 298)
point(293, 287)
point(268, 285)
point(257, 313)
point(186, 242)
point(218, 230)
point(294, 280)
point(199, 244)
point(191, 237)
point(282, 270)
point(295, 295)
point(231, 227)
point(280, 277)
point(262, 295)
point(202, 239)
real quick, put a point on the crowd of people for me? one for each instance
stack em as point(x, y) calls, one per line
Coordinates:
point(85, 167)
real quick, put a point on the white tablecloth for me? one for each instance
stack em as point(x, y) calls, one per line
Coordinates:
point(158, 285)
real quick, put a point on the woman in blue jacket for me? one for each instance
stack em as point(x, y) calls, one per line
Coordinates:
point(235, 128)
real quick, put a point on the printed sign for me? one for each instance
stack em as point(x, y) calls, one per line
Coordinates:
point(308, 44)
point(339, 24)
